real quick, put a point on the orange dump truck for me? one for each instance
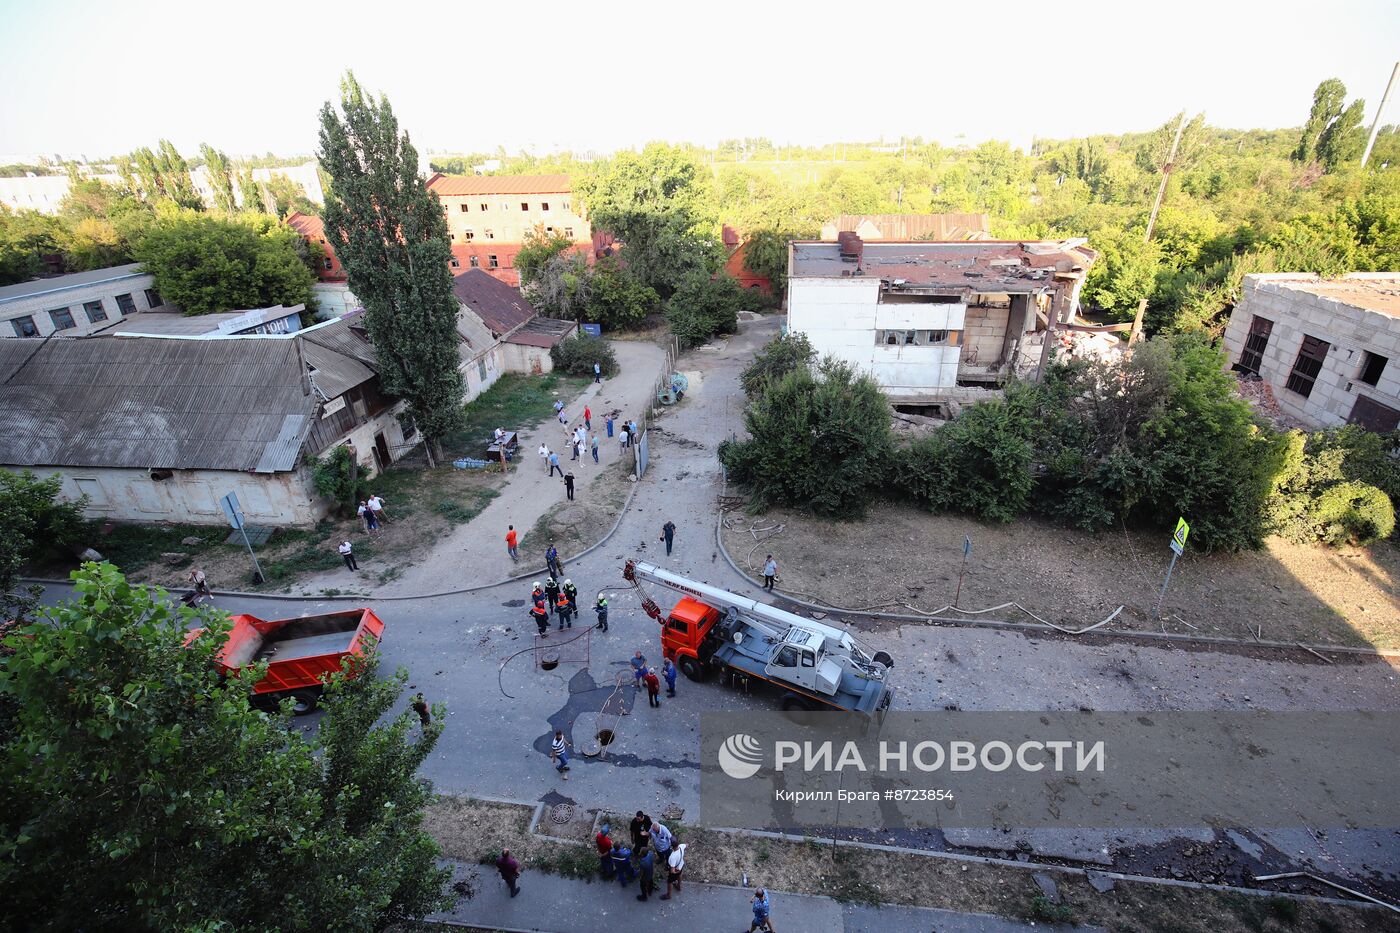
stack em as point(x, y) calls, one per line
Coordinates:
point(299, 652)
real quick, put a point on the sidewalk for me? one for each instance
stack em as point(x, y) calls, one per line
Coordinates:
point(476, 552)
point(562, 905)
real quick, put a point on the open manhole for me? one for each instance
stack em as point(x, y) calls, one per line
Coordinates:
point(605, 737)
point(561, 813)
point(549, 660)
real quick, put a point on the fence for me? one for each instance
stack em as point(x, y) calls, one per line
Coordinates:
point(663, 382)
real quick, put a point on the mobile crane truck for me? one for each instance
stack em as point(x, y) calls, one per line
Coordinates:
point(713, 631)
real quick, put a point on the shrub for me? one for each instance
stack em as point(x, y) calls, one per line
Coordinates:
point(1336, 486)
point(1352, 513)
point(703, 307)
point(819, 440)
point(779, 356)
point(980, 464)
point(331, 475)
point(577, 355)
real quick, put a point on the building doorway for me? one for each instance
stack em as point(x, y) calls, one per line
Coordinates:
point(381, 453)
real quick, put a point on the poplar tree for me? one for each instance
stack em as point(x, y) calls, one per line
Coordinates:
point(220, 176)
point(391, 236)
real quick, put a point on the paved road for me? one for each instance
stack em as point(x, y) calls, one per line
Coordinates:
point(495, 745)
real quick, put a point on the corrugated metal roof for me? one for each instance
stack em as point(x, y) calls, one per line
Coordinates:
point(500, 307)
point(147, 402)
point(542, 332)
point(975, 265)
point(341, 354)
point(453, 185)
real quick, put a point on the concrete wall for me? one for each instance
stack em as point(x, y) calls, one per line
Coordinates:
point(492, 360)
point(840, 317)
point(38, 306)
point(191, 496)
point(1349, 330)
point(362, 436)
point(507, 222)
point(532, 361)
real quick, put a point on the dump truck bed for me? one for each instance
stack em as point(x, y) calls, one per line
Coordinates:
point(299, 652)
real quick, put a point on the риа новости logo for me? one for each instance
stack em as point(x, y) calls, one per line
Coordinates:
point(740, 756)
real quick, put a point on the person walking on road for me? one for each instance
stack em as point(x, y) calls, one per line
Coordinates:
point(595, 448)
point(587, 418)
point(597, 373)
point(604, 843)
point(601, 608)
point(770, 573)
point(420, 706)
point(510, 871)
point(512, 542)
point(761, 910)
point(569, 481)
point(668, 672)
point(559, 754)
point(551, 594)
point(646, 874)
point(653, 686)
point(639, 669)
point(610, 425)
point(551, 559)
point(675, 865)
point(554, 464)
point(668, 534)
point(348, 553)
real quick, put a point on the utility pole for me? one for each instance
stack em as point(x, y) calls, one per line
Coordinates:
point(1376, 123)
point(1136, 333)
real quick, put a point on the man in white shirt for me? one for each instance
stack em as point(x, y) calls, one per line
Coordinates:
point(376, 505)
point(544, 457)
point(348, 553)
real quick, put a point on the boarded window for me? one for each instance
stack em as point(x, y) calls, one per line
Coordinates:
point(1307, 366)
point(1372, 365)
point(1373, 416)
point(1253, 354)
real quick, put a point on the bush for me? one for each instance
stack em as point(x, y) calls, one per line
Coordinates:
point(819, 440)
point(617, 300)
point(577, 355)
point(331, 475)
point(780, 356)
point(1352, 513)
point(980, 464)
point(703, 307)
point(1336, 486)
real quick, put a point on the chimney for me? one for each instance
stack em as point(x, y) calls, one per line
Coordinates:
point(850, 245)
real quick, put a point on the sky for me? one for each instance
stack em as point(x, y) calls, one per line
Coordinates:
point(95, 79)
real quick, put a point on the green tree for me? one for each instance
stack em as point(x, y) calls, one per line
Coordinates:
point(562, 286)
point(577, 355)
point(161, 175)
point(766, 254)
point(783, 354)
point(1327, 103)
point(150, 795)
point(205, 263)
point(1344, 137)
point(391, 237)
point(1124, 273)
point(284, 196)
point(37, 522)
point(337, 477)
point(249, 191)
point(617, 300)
point(819, 439)
point(220, 177)
point(705, 305)
point(536, 252)
point(26, 238)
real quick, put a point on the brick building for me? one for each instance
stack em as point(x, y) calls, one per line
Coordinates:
point(312, 230)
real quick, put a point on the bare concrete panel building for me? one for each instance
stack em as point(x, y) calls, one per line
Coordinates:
point(1328, 349)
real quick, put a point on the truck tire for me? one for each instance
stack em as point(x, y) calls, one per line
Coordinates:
point(883, 657)
point(304, 701)
point(792, 703)
point(692, 668)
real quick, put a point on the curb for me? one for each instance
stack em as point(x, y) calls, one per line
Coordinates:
point(1051, 630)
point(342, 597)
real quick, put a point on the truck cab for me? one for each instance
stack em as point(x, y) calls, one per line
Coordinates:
point(683, 634)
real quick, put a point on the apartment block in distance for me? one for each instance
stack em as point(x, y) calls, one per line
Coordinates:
point(1328, 349)
point(488, 217)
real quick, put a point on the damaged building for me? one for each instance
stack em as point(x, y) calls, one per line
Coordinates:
point(937, 324)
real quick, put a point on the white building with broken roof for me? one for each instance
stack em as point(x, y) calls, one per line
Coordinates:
point(935, 323)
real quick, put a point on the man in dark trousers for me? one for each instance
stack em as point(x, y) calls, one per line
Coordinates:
point(668, 534)
point(622, 863)
point(639, 827)
point(646, 871)
point(571, 593)
point(565, 610)
point(551, 559)
point(420, 706)
point(510, 871)
point(551, 594)
point(668, 673)
point(602, 609)
point(653, 685)
point(604, 843)
point(569, 482)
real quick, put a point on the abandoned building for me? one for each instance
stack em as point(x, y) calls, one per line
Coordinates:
point(876, 227)
point(160, 428)
point(1326, 348)
point(936, 323)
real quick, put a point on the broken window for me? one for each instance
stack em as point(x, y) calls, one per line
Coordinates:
point(1307, 366)
point(1372, 365)
point(1253, 354)
point(455, 263)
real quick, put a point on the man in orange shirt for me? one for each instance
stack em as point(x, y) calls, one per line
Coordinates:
point(511, 541)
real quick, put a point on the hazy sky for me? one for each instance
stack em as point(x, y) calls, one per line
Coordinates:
point(100, 78)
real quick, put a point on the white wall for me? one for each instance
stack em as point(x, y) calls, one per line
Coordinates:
point(471, 372)
point(39, 305)
point(840, 317)
point(532, 361)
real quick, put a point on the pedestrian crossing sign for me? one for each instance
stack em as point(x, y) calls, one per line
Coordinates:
point(1179, 536)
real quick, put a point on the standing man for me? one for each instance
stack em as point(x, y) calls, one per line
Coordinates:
point(587, 418)
point(668, 534)
point(363, 512)
point(551, 559)
point(571, 593)
point(661, 840)
point(376, 508)
point(595, 448)
point(623, 437)
point(770, 571)
point(551, 593)
point(554, 463)
point(604, 843)
point(348, 553)
point(761, 910)
point(610, 425)
point(510, 871)
point(559, 754)
point(639, 827)
point(544, 456)
point(565, 610)
point(602, 609)
point(639, 669)
point(668, 671)
point(653, 687)
point(646, 872)
point(569, 482)
point(597, 373)
point(675, 865)
point(622, 863)
point(512, 539)
point(420, 706)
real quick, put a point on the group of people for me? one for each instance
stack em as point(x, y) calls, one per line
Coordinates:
point(372, 513)
point(652, 845)
point(644, 676)
point(553, 599)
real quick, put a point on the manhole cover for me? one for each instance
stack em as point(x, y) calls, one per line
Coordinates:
point(605, 736)
point(561, 813)
point(549, 660)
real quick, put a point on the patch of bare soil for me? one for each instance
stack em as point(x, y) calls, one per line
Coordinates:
point(901, 559)
point(573, 526)
point(469, 829)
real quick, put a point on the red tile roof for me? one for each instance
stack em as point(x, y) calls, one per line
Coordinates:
point(500, 307)
point(449, 185)
point(308, 225)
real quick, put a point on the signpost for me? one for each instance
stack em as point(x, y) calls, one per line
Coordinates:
point(967, 552)
point(1178, 546)
point(235, 519)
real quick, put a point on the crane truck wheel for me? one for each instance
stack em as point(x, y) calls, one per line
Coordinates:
point(304, 701)
point(883, 657)
point(792, 703)
point(692, 668)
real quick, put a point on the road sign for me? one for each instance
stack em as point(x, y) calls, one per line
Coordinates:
point(1179, 535)
point(232, 510)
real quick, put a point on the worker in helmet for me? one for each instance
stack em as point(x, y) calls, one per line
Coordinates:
point(571, 591)
point(602, 609)
point(538, 612)
point(565, 610)
point(551, 593)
